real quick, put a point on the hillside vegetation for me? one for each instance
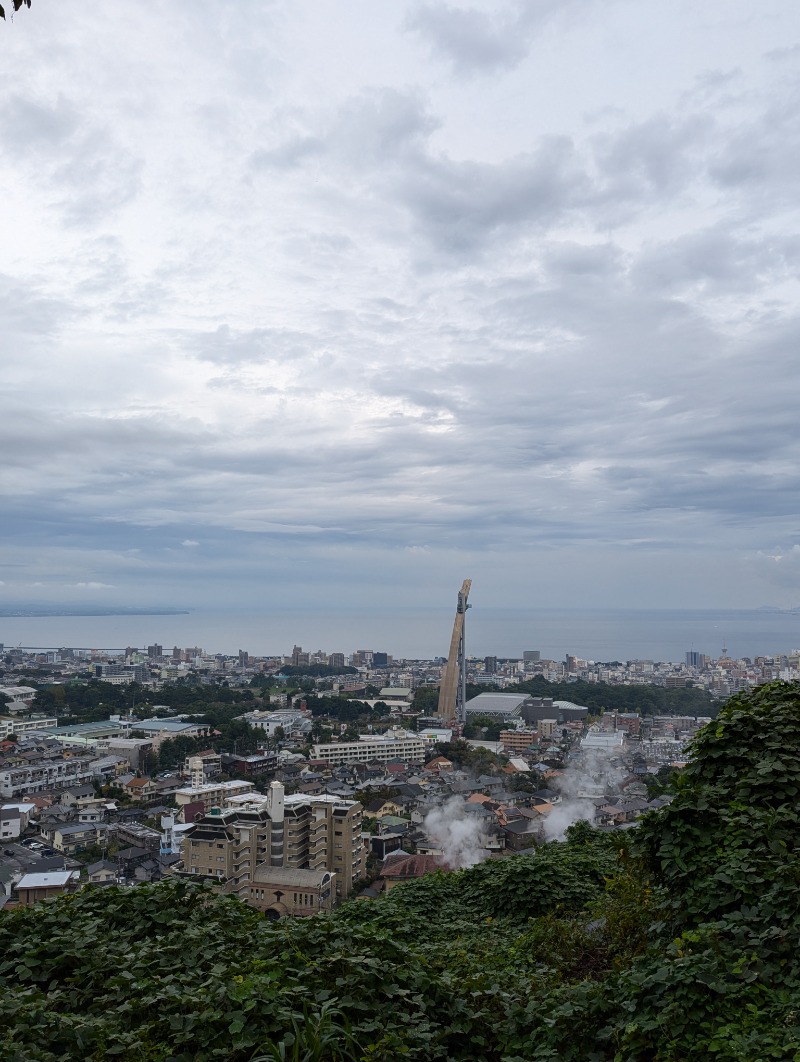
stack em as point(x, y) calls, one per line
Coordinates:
point(673, 942)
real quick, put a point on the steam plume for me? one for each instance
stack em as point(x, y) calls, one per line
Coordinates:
point(457, 833)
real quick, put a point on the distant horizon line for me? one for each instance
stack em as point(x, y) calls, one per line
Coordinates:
point(74, 611)
point(19, 611)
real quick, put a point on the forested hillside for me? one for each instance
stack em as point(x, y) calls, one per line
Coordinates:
point(673, 942)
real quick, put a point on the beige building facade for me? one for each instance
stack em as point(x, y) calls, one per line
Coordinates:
point(282, 892)
point(296, 833)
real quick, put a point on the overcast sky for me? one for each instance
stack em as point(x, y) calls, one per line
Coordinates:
point(342, 302)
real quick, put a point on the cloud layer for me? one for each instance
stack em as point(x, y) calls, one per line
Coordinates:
point(330, 304)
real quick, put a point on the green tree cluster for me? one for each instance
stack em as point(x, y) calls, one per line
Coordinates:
point(426, 698)
point(485, 726)
point(472, 758)
point(645, 700)
point(317, 670)
point(344, 709)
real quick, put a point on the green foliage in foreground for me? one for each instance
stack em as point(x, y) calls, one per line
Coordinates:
point(674, 942)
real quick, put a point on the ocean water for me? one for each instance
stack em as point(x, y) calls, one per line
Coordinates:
point(596, 634)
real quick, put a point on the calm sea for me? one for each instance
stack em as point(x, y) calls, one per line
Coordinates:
point(598, 634)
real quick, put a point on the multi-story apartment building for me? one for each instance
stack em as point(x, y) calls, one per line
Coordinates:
point(321, 834)
point(120, 674)
point(48, 774)
point(229, 843)
point(518, 740)
point(202, 767)
point(324, 833)
point(384, 748)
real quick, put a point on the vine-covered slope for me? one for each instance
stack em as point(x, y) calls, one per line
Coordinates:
point(673, 942)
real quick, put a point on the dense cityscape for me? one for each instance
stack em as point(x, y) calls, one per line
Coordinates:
point(296, 781)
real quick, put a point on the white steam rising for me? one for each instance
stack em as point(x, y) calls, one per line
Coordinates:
point(458, 834)
point(565, 815)
point(582, 781)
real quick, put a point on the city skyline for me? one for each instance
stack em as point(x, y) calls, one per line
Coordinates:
point(308, 306)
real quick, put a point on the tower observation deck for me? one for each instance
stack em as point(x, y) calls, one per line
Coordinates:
point(453, 688)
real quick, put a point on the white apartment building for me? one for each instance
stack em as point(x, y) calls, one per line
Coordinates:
point(397, 744)
point(18, 727)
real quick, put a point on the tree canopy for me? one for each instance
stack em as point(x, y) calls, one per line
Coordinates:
point(17, 5)
point(647, 700)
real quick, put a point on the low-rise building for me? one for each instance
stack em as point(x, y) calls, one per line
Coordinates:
point(70, 836)
point(158, 730)
point(102, 872)
point(34, 887)
point(26, 811)
point(140, 789)
point(282, 892)
point(395, 746)
point(289, 720)
point(212, 794)
point(134, 751)
point(137, 836)
point(20, 726)
point(10, 823)
point(254, 766)
point(17, 698)
point(91, 733)
point(400, 867)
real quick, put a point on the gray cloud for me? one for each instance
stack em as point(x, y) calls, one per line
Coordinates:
point(475, 40)
point(85, 159)
point(357, 322)
point(31, 125)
